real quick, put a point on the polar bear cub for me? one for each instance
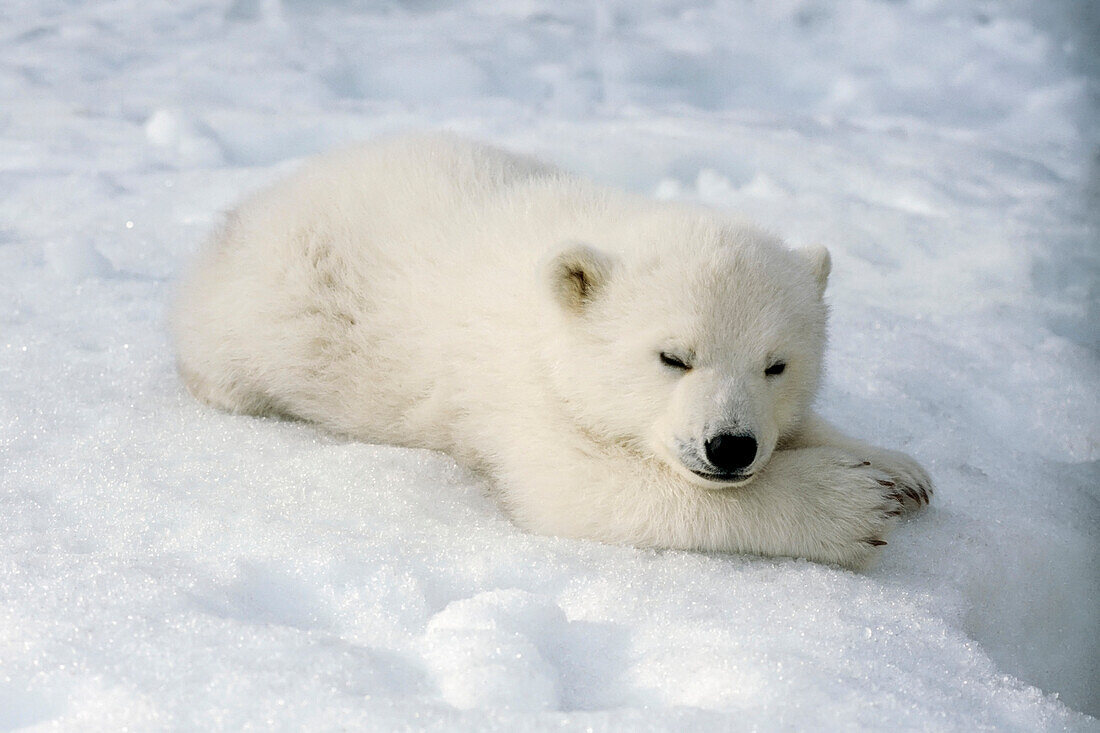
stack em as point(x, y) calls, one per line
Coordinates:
point(621, 369)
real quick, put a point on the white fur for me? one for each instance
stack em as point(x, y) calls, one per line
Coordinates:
point(437, 293)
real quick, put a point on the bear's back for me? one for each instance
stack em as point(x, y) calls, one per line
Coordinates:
point(381, 260)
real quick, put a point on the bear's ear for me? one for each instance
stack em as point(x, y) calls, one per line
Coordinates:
point(576, 275)
point(817, 257)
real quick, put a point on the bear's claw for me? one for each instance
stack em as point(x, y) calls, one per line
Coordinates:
point(913, 486)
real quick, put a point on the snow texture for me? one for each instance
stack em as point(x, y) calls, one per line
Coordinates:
point(164, 566)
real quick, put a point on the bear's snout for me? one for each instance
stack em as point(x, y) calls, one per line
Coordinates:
point(731, 453)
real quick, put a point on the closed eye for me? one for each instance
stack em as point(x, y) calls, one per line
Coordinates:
point(776, 369)
point(671, 360)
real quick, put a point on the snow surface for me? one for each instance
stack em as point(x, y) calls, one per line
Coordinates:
point(166, 566)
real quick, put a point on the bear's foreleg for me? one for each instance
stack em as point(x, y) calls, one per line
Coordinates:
point(817, 503)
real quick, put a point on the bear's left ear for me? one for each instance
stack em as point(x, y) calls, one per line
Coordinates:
point(577, 274)
point(817, 257)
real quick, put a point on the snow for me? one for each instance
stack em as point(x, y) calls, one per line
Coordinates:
point(166, 566)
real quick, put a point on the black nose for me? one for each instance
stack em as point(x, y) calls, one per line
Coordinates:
point(731, 453)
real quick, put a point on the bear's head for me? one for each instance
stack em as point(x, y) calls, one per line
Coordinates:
point(699, 343)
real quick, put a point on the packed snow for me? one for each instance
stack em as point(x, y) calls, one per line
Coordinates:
point(165, 566)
